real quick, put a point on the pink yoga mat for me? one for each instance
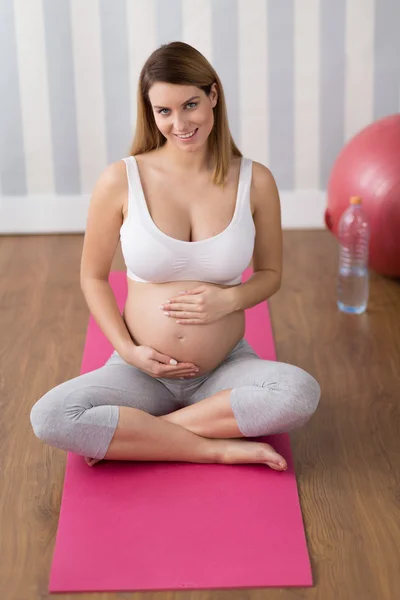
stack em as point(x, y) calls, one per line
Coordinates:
point(130, 526)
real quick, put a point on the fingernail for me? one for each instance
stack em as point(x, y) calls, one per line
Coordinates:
point(173, 361)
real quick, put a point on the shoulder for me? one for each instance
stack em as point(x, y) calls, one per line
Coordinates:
point(112, 185)
point(264, 190)
point(114, 175)
point(262, 177)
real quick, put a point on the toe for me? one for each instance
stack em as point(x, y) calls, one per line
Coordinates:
point(277, 466)
point(275, 460)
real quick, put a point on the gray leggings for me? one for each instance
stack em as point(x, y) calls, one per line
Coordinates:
point(81, 414)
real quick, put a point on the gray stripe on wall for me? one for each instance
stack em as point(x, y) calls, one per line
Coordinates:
point(280, 36)
point(12, 165)
point(332, 83)
point(169, 21)
point(225, 59)
point(115, 57)
point(386, 58)
point(60, 69)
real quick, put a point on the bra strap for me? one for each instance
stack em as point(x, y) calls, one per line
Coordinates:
point(132, 174)
point(245, 183)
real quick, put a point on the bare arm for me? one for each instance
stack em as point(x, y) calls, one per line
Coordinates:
point(101, 240)
point(267, 257)
point(104, 308)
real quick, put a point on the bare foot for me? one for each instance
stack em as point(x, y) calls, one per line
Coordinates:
point(235, 451)
point(92, 461)
point(243, 451)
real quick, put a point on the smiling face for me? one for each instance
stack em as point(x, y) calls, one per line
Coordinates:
point(183, 113)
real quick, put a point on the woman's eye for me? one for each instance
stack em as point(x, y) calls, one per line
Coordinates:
point(192, 104)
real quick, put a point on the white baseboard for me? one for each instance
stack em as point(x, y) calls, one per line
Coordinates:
point(49, 214)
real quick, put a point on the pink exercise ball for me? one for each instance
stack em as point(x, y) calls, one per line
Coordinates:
point(369, 166)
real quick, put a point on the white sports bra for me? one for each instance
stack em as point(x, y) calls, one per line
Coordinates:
point(152, 256)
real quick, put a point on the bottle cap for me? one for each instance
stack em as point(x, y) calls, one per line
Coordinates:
point(355, 200)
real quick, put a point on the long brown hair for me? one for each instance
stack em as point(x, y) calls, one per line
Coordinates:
point(179, 63)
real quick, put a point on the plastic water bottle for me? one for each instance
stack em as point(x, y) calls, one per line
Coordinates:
point(353, 278)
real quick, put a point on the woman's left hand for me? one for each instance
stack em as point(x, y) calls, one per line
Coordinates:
point(199, 306)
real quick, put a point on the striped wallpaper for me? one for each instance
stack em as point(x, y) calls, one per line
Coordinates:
point(300, 76)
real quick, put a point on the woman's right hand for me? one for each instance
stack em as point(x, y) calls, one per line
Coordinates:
point(156, 364)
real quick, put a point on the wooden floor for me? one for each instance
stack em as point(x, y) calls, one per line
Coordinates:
point(347, 457)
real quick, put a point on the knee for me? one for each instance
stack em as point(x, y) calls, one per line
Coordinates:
point(56, 412)
point(286, 402)
point(43, 415)
point(305, 394)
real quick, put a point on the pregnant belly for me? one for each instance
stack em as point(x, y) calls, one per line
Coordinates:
point(204, 345)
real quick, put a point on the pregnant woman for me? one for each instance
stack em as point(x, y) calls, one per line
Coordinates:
point(192, 214)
